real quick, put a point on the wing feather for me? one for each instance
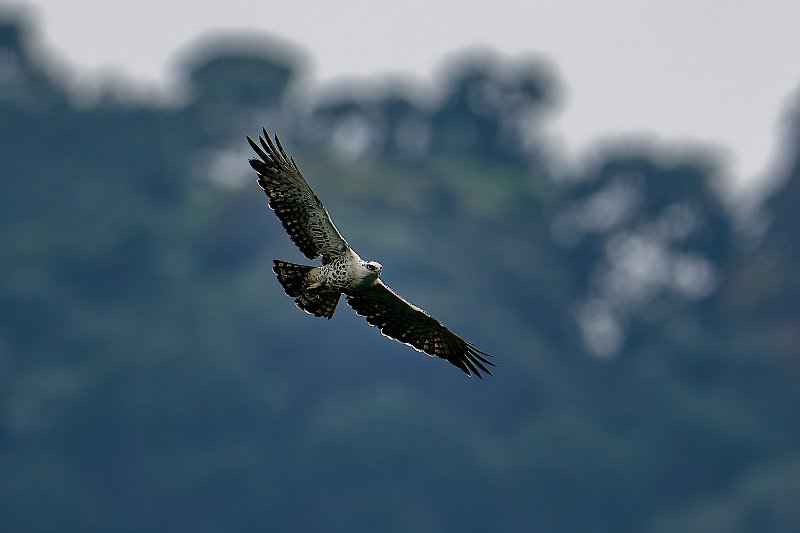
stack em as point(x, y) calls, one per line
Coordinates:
point(402, 321)
point(300, 211)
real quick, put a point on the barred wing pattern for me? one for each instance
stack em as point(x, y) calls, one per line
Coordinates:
point(401, 320)
point(300, 211)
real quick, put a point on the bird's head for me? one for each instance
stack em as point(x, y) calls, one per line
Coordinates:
point(373, 267)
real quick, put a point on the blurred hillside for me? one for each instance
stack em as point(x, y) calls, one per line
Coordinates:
point(155, 378)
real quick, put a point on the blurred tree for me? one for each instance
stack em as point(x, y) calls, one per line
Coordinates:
point(782, 251)
point(231, 81)
point(235, 88)
point(782, 234)
point(25, 83)
point(492, 105)
point(645, 235)
point(390, 126)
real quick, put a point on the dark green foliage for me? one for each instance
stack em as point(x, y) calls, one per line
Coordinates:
point(154, 377)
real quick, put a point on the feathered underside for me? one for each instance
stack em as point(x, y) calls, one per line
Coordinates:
point(300, 211)
point(400, 320)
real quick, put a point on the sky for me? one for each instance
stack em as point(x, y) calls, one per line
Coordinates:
point(681, 71)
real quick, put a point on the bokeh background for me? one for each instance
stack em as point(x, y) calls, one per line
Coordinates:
point(643, 309)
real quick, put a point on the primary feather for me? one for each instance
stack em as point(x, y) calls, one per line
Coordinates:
point(300, 211)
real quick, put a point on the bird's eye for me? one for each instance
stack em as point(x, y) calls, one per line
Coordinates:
point(371, 267)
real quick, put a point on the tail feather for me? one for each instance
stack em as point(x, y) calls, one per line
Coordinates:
point(295, 280)
point(318, 303)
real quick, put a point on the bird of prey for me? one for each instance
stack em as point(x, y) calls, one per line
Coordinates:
point(317, 289)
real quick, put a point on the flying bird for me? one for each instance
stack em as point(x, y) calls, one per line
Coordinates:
point(317, 289)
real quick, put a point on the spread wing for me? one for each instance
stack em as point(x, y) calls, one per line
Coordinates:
point(403, 321)
point(300, 211)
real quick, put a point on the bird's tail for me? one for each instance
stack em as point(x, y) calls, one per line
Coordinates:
point(295, 281)
point(293, 278)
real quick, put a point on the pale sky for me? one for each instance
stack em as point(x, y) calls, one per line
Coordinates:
point(715, 71)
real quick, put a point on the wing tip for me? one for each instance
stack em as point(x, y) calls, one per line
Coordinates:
point(265, 159)
point(473, 359)
point(269, 153)
point(259, 166)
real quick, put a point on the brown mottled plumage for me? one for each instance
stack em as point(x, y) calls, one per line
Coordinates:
point(401, 320)
point(317, 290)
